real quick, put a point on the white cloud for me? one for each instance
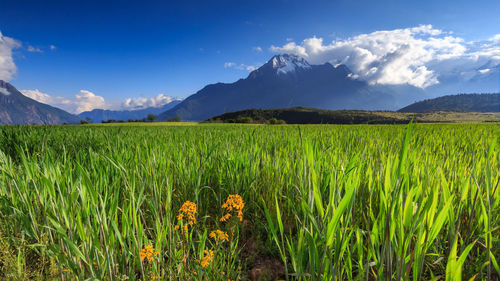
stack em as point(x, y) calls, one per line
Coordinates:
point(257, 49)
point(145, 102)
point(32, 49)
point(52, 47)
point(240, 66)
point(82, 101)
point(7, 66)
point(43, 97)
point(85, 101)
point(495, 38)
point(418, 56)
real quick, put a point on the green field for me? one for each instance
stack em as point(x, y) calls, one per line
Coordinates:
point(321, 202)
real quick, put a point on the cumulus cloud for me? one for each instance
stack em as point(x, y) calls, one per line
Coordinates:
point(240, 66)
point(145, 102)
point(85, 100)
point(32, 49)
point(7, 66)
point(495, 38)
point(43, 97)
point(417, 56)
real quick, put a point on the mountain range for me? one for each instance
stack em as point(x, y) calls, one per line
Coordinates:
point(290, 81)
point(99, 115)
point(461, 102)
point(285, 81)
point(15, 108)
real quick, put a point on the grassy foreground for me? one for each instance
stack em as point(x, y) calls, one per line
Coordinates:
point(229, 202)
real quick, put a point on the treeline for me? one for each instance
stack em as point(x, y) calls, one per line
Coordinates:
point(460, 103)
point(247, 120)
point(305, 115)
point(150, 118)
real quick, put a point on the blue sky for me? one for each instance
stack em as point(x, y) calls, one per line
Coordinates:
point(119, 49)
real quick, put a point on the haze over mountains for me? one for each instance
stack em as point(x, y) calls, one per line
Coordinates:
point(284, 81)
point(16, 108)
point(99, 115)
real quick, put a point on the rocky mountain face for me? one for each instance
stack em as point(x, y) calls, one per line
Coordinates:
point(15, 108)
point(287, 81)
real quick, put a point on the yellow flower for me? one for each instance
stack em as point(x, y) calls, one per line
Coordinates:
point(233, 203)
point(225, 217)
point(187, 215)
point(219, 235)
point(148, 253)
point(208, 256)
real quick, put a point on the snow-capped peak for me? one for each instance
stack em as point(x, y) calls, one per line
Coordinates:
point(288, 63)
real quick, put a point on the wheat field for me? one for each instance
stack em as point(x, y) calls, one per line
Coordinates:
point(240, 202)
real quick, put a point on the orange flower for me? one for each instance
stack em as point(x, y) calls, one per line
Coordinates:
point(187, 215)
point(225, 217)
point(219, 235)
point(233, 203)
point(148, 253)
point(208, 256)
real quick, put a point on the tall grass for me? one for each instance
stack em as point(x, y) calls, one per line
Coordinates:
point(386, 202)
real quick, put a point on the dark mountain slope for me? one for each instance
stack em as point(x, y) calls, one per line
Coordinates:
point(284, 81)
point(305, 115)
point(462, 102)
point(15, 108)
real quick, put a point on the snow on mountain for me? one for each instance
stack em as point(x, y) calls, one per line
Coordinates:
point(289, 63)
point(4, 91)
point(287, 81)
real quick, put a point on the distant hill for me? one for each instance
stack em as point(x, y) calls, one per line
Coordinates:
point(98, 115)
point(15, 108)
point(288, 81)
point(462, 102)
point(306, 115)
